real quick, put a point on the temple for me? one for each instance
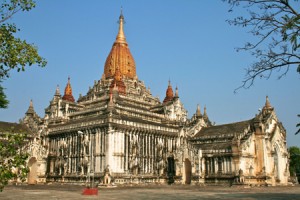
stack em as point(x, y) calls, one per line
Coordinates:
point(119, 132)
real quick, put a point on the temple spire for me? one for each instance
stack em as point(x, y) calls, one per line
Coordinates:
point(169, 93)
point(267, 104)
point(121, 36)
point(198, 111)
point(176, 92)
point(205, 113)
point(120, 56)
point(68, 96)
point(30, 110)
point(267, 108)
point(57, 92)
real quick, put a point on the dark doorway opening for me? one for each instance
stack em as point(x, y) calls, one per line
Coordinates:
point(171, 170)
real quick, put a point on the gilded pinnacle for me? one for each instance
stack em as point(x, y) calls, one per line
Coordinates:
point(198, 111)
point(121, 36)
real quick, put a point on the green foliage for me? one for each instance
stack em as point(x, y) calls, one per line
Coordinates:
point(12, 157)
point(294, 160)
point(10, 7)
point(276, 26)
point(14, 52)
point(3, 100)
point(298, 125)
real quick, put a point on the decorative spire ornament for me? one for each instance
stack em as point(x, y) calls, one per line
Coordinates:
point(68, 96)
point(198, 111)
point(169, 93)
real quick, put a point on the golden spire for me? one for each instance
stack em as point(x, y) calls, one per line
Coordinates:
point(121, 36)
point(120, 56)
point(68, 96)
point(198, 111)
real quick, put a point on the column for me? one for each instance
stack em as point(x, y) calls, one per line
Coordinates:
point(220, 163)
point(126, 152)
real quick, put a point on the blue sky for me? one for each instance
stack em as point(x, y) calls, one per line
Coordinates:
point(188, 42)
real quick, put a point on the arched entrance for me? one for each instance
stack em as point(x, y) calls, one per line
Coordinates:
point(32, 175)
point(171, 170)
point(188, 171)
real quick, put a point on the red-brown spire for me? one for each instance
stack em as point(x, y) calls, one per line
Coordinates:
point(68, 96)
point(169, 93)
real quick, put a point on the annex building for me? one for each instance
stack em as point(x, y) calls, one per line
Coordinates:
point(118, 132)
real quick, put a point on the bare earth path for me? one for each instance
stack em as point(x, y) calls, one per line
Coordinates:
point(160, 192)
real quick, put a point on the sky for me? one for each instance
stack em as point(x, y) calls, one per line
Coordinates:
point(187, 42)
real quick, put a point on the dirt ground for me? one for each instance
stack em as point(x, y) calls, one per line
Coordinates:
point(147, 192)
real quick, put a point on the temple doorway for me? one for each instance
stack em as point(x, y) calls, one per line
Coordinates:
point(188, 171)
point(171, 170)
point(32, 175)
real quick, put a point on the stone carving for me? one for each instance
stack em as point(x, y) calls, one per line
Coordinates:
point(134, 149)
point(107, 177)
point(160, 159)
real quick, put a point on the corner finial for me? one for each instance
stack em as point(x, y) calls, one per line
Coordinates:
point(57, 92)
point(31, 103)
point(205, 113)
point(169, 93)
point(267, 104)
point(198, 111)
point(30, 110)
point(68, 92)
point(176, 92)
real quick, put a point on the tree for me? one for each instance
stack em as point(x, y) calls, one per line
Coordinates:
point(298, 125)
point(12, 157)
point(276, 26)
point(3, 100)
point(14, 52)
point(294, 160)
